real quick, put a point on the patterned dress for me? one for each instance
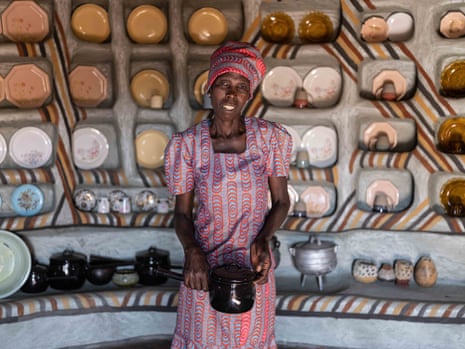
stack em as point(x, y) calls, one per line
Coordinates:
point(231, 204)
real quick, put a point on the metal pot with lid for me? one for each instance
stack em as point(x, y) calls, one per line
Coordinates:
point(147, 264)
point(314, 257)
point(67, 270)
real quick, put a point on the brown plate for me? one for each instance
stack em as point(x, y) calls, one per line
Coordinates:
point(208, 26)
point(147, 24)
point(278, 27)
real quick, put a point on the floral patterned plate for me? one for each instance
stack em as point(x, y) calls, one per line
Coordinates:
point(30, 147)
point(90, 148)
point(321, 144)
point(27, 200)
point(323, 86)
point(279, 86)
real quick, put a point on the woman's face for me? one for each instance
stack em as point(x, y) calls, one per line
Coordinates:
point(229, 94)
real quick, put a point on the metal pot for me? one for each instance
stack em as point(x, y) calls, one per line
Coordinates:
point(100, 270)
point(231, 287)
point(147, 263)
point(37, 280)
point(67, 270)
point(314, 257)
point(275, 243)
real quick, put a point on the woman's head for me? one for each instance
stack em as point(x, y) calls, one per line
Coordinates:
point(237, 57)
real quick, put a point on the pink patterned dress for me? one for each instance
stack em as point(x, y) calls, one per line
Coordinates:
point(232, 202)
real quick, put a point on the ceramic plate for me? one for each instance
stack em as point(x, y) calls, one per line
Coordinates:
point(148, 83)
point(85, 200)
point(323, 86)
point(321, 144)
point(150, 148)
point(30, 147)
point(293, 197)
point(116, 198)
point(27, 200)
point(3, 148)
point(90, 148)
point(316, 200)
point(147, 24)
point(200, 87)
point(208, 26)
point(279, 86)
point(145, 200)
point(15, 263)
point(90, 22)
point(296, 141)
point(25, 21)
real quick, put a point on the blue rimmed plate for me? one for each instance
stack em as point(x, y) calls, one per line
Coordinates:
point(27, 200)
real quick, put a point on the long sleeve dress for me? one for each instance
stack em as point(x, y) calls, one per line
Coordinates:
point(232, 201)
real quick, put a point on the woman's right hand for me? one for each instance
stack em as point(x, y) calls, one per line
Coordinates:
point(196, 269)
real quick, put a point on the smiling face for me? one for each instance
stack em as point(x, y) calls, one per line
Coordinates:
point(229, 94)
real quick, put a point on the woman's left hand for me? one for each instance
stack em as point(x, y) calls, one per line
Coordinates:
point(261, 259)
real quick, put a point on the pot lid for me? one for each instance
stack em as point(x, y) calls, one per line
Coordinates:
point(314, 243)
point(153, 254)
point(68, 256)
point(233, 273)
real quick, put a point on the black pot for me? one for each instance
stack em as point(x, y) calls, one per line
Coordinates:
point(147, 264)
point(67, 270)
point(100, 270)
point(37, 280)
point(232, 289)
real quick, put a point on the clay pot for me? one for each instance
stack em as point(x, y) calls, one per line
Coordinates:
point(425, 272)
point(403, 270)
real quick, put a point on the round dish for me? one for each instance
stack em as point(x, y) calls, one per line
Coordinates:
point(316, 200)
point(323, 86)
point(293, 198)
point(207, 26)
point(374, 29)
point(30, 147)
point(451, 136)
point(453, 79)
point(149, 83)
point(315, 27)
point(3, 149)
point(147, 24)
point(16, 262)
point(85, 200)
point(400, 26)
point(279, 86)
point(27, 200)
point(117, 197)
point(278, 27)
point(146, 200)
point(200, 86)
point(321, 144)
point(90, 22)
point(150, 148)
point(296, 141)
point(90, 148)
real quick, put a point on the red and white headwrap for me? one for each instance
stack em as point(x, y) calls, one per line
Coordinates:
point(237, 57)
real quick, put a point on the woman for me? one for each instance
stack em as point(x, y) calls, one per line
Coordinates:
point(229, 164)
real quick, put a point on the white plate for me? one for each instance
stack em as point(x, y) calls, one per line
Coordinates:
point(279, 86)
point(321, 144)
point(323, 86)
point(293, 198)
point(3, 148)
point(15, 263)
point(296, 141)
point(90, 148)
point(30, 147)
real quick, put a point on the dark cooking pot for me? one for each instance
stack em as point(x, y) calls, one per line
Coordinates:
point(100, 270)
point(147, 263)
point(37, 280)
point(67, 270)
point(232, 288)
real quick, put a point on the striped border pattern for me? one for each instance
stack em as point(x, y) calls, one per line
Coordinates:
point(161, 299)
